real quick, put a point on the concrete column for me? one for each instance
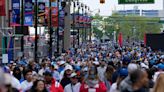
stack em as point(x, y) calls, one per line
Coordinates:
point(67, 42)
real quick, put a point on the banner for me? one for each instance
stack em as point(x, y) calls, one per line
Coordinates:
point(28, 13)
point(15, 13)
point(10, 48)
point(61, 17)
point(41, 13)
point(136, 1)
point(145, 39)
point(2, 8)
point(120, 39)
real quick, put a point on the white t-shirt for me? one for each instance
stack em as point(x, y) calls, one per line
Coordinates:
point(25, 85)
point(72, 88)
point(41, 71)
point(15, 83)
point(113, 88)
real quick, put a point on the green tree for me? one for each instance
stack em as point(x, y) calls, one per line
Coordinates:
point(132, 26)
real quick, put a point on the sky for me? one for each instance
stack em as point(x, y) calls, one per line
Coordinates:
point(106, 9)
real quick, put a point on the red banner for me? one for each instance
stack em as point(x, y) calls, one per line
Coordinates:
point(54, 16)
point(2, 8)
point(120, 39)
point(145, 39)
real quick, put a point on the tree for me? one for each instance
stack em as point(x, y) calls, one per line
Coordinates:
point(132, 26)
point(98, 20)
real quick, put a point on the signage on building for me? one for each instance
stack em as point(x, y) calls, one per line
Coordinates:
point(136, 1)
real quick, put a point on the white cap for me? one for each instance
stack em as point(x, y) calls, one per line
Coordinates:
point(96, 63)
point(73, 75)
point(68, 67)
point(132, 67)
point(61, 62)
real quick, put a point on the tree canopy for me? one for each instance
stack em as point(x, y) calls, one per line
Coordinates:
point(130, 26)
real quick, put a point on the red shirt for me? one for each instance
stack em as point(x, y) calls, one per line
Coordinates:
point(97, 88)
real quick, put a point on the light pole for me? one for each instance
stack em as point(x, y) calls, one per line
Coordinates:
point(22, 26)
point(78, 23)
point(73, 26)
point(50, 28)
point(36, 30)
point(57, 32)
point(85, 14)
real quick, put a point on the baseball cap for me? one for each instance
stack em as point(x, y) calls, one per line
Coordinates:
point(73, 75)
point(61, 62)
point(160, 66)
point(68, 67)
point(123, 72)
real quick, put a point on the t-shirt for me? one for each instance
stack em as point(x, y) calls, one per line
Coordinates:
point(113, 88)
point(25, 85)
point(72, 88)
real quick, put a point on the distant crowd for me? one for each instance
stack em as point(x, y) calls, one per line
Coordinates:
point(91, 68)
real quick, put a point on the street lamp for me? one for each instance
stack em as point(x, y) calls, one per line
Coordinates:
point(85, 14)
point(78, 23)
point(73, 26)
point(36, 31)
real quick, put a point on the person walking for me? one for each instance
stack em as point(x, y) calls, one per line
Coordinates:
point(51, 84)
point(74, 86)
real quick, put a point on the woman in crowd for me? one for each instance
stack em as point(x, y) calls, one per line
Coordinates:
point(108, 76)
point(38, 86)
point(92, 83)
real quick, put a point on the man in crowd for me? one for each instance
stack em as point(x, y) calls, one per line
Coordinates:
point(27, 83)
point(74, 86)
point(51, 84)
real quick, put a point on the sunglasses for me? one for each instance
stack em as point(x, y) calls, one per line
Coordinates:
point(75, 77)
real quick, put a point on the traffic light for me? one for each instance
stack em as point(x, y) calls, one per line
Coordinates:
point(102, 1)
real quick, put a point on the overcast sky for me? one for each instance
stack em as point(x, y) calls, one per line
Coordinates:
point(106, 9)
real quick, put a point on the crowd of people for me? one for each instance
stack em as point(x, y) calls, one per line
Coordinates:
point(91, 68)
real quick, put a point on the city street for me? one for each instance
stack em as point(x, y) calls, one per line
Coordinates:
point(81, 45)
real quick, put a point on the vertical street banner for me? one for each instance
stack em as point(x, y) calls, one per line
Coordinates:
point(120, 39)
point(41, 13)
point(145, 39)
point(15, 13)
point(61, 16)
point(55, 16)
point(2, 8)
point(28, 13)
point(10, 49)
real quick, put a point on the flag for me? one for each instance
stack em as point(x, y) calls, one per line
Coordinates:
point(145, 39)
point(120, 39)
point(2, 8)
